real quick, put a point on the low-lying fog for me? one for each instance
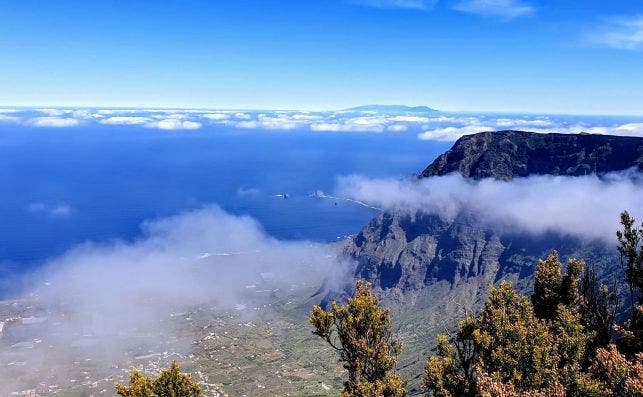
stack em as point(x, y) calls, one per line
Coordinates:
point(587, 206)
point(89, 302)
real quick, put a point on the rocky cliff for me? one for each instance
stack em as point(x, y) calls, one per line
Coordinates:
point(403, 254)
point(508, 154)
point(406, 254)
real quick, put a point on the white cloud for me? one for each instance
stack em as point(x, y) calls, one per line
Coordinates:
point(170, 261)
point(273, 121)
point(216, 116)
point(60, 210)
point(268, 123)
point(332, 127)
point(624, 33)
point(84, 114)
point(535, 204)
point(107, 112)
point(505, 122)
point(246, 192)
point(123, 294)
point(368, 121)
point(443, 127)
point(409, 119)
point(173, 115)
point(449, 134)
point(444, 119)
point(357, 124)
point(401, 4)
point(54, 122)
point(306, 117)
point(125, 120)
point(397, 128)
point(174, 124)
point(51, 112)
point(507, 9)
point(453, 133)
point(630, 129)
point(8, 119)
point(246, 124)
point(279, 122)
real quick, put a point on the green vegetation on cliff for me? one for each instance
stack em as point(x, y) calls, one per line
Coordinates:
point(561, 342)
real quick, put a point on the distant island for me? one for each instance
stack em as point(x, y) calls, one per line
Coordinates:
point(392, 109)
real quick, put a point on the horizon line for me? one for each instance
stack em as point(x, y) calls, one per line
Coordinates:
point(316, 110)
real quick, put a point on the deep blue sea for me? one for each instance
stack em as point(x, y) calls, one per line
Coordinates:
point(60, 187)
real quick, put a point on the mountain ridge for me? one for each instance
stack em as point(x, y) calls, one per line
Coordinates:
point(402, 253)
point(508, 154)
point(432, 271)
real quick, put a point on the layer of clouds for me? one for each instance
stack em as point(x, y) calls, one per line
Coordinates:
point(457, 128)
point(102, 304)
point(425, 125)
point(4, 118)
point(201, 256)
point(174, 124)
point(125, 120)
point(56, 122)
point(624, 33)
point(170, 122)
point(507, 9)
point(586, 206)
point(361, 123)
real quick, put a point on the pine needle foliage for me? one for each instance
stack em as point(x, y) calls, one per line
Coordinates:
point(556, 344)
point(169, 383)
point(362, 333)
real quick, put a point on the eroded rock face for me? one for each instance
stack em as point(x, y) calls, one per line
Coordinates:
point(508, 154)
point(407, 251)
point(404, 253)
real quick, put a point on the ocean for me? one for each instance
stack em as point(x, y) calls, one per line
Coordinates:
point(60, 187)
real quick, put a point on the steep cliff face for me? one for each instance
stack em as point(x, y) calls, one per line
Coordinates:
point(407, 251)
point(406, 254)
point(508, 154)
point(402, 254)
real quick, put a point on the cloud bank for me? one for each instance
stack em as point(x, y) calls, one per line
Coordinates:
point(467, 126)
point(106, 302)
point(204, 255)
point(55, 122)
point(174, 124)
point(437, 126)
point(586, 206)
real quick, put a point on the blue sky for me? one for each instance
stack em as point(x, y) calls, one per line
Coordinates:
point(468, 55)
